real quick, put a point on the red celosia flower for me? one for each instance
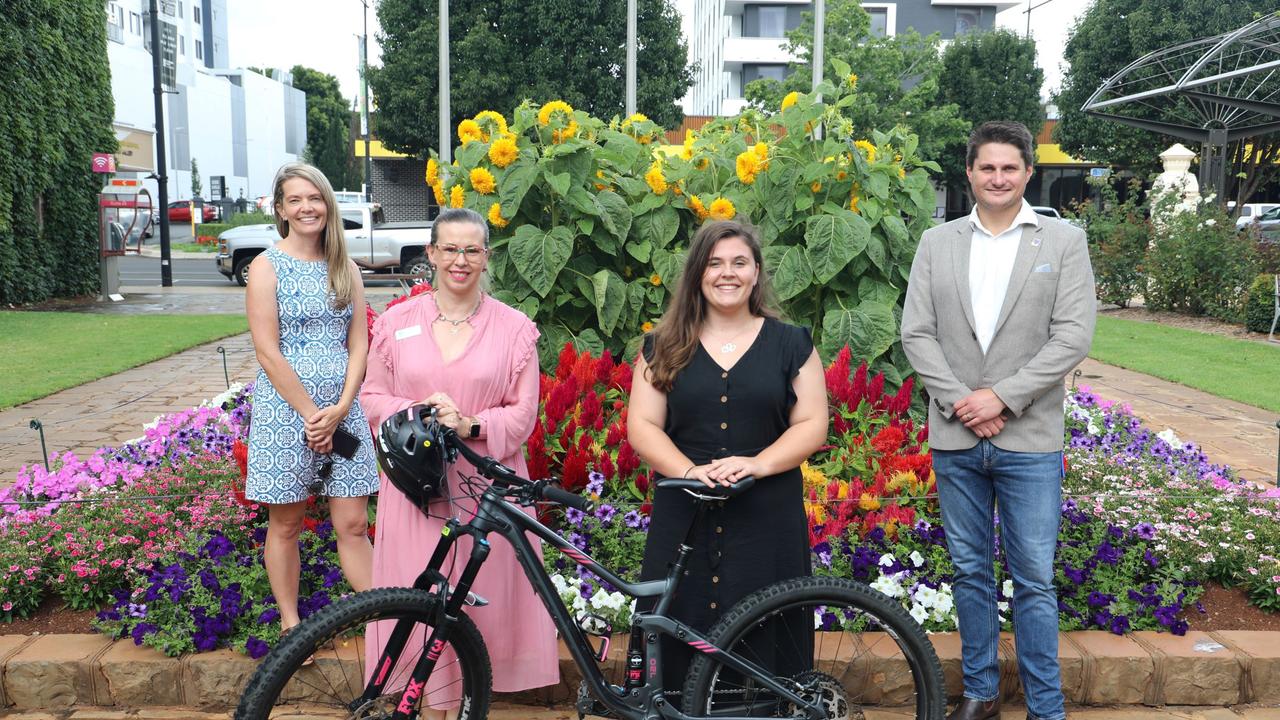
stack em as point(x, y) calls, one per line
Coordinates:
point(888, 440)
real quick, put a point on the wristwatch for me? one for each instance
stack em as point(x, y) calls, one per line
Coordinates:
point(474, 432)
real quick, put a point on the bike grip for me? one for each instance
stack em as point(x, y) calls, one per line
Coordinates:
point(564, 497)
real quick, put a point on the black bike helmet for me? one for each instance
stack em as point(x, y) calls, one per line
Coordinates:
point(411, 451)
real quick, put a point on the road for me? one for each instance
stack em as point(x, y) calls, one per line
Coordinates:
point(144, 271)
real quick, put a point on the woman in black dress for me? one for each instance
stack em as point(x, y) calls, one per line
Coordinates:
point(724, 390)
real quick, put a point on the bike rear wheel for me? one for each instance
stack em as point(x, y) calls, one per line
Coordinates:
point(849, 646)
point(286, 685)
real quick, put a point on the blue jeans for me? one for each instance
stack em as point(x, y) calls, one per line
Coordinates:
point(1028, 488)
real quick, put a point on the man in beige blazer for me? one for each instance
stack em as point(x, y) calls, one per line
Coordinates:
point(1000, 307)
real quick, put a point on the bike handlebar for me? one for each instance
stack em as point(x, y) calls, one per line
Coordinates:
point(494, 470)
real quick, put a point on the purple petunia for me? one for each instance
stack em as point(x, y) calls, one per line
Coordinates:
point(1145, 530)
point(256, 648)
point(605, 513)
point(632, 519)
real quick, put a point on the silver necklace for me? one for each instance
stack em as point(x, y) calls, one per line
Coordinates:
point(455, 324)
point(730, 346)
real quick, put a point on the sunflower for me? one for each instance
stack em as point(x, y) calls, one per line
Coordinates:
point(545, 114)
point(657, 183)
point(762, 155)
point(438, 190)
point(655, 279)
point(493, 119)
point(686, 150)
point(646, 326)
point(503, 152)
point(722, 209)
point(790, 99)
point(868, 148)
point(748, 165)
point(482, 181)
point(433, 171)
point(852, 80)
point(815, 186)
point(495, 216)
point(699, 210)
point(469, 130)
point(456, 196)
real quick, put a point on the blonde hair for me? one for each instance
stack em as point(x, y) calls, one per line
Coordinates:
point(333, 242)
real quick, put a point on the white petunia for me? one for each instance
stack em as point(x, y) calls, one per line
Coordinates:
point(919, 613)
point(1007, 588)
point(886, 560)
point(1170, 437)
point(916, 558)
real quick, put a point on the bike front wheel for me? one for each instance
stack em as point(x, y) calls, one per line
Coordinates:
point(320, 669)
point(841, 644)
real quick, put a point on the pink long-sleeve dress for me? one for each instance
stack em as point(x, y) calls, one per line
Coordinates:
point(496, 379)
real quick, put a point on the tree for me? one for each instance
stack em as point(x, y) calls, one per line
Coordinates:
point(504, 51)
point(897, 78)
point(1112, 34)
point(197, 188)
point(328, 126)
point(990, 76)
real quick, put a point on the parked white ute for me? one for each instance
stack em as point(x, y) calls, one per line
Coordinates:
point(374, 245)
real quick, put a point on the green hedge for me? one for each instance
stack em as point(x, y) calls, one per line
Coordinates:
point(1259, 305)
point(55, 112)
point(216, 229)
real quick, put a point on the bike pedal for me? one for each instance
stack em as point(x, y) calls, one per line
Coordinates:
point(588, 705)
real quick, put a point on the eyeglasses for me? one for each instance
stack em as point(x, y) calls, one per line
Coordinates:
point(322, 476)
point(472, 254)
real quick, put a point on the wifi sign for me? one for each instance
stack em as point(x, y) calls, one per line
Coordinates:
point(104, 163)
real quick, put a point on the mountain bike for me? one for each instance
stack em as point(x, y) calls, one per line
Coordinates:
point(319, 669)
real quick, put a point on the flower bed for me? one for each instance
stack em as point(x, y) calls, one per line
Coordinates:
point(158, 535)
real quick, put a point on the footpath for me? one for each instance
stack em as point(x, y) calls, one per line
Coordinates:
point(1202, 676)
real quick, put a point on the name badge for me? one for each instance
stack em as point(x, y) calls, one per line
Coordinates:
point(408, 332)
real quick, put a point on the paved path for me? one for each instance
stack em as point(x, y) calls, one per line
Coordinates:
point(1242, 436)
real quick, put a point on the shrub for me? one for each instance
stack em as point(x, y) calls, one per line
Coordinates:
point(213, 230)
point(592, 222)
point(1199, 264)
point(1118, 234)
point(1260, 304)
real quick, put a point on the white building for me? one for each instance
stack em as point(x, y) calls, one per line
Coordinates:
point(237, 125)
point(737, 41)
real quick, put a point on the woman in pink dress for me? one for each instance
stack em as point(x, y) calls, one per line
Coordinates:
point(474, 359)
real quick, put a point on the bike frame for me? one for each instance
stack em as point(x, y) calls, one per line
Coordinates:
point(498, 515)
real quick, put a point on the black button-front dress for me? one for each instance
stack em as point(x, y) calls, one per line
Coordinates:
point(757, 538)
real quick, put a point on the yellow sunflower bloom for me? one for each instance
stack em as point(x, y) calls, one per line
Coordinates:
point(457, 197)
point(686, 150)
point(722, 209)
point(748, 165)
point(482, 181)
point(694, 203)
point(815, 186)
point(646, 326)
point(868, 148)
point(438, 190)
point(495, 216)
point(503, 152)
point(494, 120)
point(790, 99)
point(852, 80)
point(433, 171)
point(546, 112)
point(655, 279)
point(469, 130)
point(902, 173)
point(657, 183)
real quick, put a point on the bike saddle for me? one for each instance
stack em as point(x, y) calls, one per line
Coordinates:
point(697, 489)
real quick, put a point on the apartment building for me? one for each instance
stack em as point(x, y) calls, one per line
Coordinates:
point(737, 41)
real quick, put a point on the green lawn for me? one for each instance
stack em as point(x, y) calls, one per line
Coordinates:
point(193, 247)
point(1240, 370)
point(44, 352)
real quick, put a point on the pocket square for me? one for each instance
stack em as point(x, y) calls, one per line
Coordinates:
point(1043, 268)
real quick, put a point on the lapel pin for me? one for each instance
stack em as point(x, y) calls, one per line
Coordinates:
point(1035, 242)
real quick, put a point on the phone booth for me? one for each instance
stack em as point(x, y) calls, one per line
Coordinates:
point(124, 219)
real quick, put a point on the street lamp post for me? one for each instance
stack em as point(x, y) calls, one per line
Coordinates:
point(631, 58)
point(162, 175)
point(445, 152)
point(364, 81)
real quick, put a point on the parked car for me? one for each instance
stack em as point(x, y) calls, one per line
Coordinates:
point(376, 246)
point(1267, 224)
point(1047, 211)
point(180, 211)
point(1251, 212)
point(145, 225)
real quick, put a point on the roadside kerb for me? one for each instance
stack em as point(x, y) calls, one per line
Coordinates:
point(1200, 669)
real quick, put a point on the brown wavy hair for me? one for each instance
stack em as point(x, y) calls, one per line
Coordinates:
point(333, 242)
point(677, 336)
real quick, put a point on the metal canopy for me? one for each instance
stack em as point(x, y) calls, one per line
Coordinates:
point(1213, 91)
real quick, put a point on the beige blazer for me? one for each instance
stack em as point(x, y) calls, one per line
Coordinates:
point(1044, 330)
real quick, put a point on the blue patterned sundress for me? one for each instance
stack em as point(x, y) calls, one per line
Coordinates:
point(313, 339)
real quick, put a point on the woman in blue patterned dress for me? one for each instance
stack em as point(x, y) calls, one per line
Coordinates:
point(302, 296)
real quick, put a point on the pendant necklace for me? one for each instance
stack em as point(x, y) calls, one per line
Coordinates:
point(457, 323)
point(730, 346)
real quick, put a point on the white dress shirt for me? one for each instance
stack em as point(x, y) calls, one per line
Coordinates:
point(990, 265)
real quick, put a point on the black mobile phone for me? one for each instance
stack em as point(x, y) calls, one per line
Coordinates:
point(345, 444)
